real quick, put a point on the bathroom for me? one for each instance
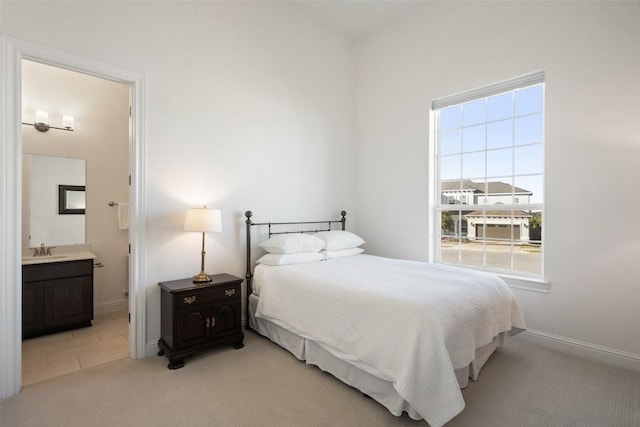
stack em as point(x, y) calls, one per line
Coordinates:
point(99, 145)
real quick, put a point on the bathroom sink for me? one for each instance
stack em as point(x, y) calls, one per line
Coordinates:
point(64, 256)
point(43, 259)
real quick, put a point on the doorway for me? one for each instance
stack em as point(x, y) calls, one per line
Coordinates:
point(85, 146)
point(13, 52)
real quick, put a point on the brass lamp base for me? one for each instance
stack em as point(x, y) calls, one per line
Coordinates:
point(201, 278)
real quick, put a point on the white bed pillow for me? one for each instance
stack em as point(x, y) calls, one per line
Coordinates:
point(287, 259)
point(342, 253)
point(293, 243)
point(337, 240)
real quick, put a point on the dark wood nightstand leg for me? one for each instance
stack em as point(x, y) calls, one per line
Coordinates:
point(238, 345)
point(175, 362)
point(161, 352)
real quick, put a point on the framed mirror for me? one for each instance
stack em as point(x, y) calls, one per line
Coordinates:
point(71, 200)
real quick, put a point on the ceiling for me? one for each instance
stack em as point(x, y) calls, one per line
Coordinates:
point(356, 18)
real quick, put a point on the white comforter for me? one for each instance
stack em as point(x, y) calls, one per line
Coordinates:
point(407, 322)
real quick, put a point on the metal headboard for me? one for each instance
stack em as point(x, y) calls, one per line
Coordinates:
point(250, 223)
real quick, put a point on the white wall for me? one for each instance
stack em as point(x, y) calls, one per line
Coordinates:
point(592, 61)
point(101, 137)
point(248, 106)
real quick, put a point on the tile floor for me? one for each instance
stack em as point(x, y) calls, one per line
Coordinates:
point(53, 355)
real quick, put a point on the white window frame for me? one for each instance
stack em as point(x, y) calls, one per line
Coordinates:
point(521, 280)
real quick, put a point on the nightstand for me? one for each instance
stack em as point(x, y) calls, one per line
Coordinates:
point(199, 315)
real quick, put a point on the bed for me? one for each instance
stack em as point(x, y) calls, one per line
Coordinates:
point(408, 334)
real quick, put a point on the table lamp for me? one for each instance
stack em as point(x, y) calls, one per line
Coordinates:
point(203, 220)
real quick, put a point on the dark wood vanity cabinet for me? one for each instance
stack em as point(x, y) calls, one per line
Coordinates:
point(195, 316)
point(56, 296)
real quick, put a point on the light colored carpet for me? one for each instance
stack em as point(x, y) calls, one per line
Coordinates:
point(263, 385)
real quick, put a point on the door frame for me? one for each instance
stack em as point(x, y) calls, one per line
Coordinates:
point(12, 52)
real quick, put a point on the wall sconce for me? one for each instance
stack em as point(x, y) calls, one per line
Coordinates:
point(203, 220)
point(42, 122)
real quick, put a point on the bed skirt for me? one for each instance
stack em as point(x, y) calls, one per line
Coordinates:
point(379, 389)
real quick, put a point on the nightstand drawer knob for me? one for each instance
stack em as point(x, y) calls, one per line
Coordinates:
point(190, 300)
point(230, 292)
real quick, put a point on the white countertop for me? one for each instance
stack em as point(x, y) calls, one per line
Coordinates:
point(61, 257)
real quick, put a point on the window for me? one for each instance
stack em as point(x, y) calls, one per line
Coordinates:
point(489, 145)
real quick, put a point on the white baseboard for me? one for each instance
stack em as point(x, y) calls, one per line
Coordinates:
point(110, 307)
point(559, 343)
point(584, 349)
point(151, 349)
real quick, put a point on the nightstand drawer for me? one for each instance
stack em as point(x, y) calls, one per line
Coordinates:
point(206, 296)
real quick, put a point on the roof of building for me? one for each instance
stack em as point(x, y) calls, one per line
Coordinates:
point(493, 187)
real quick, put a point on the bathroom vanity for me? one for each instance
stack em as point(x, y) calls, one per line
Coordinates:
point(57, 293)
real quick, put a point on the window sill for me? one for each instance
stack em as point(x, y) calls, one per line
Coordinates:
point(533, 284)
point(526, 283)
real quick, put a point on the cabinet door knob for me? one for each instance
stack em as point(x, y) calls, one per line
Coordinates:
point(207, 323)
point(213, 322)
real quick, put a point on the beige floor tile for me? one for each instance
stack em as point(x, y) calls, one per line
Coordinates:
point(121, 315)
point(63, 356)
point(58, 354)
point(99, 319)
point(83, 331)
point(89, 347)
point(114, 330)
point(120, 321)
point(86, 338)
point(34, 359)
point(69, 341)
point(46, 340)
point(112, 333)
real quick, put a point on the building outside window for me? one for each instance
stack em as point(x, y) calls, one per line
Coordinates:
point(489, 177)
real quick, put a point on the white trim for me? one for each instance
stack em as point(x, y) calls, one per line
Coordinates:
point(487, 207)
point(10, 226)
point(111, 307)
point(526, 283)
point(489, 90)
point(151, 349)
point(12, 52)
point(434, 220)
point(584, 349)
point(534, 284)
point(138, 219)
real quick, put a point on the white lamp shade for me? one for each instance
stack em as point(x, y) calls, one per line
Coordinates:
point(67, 121)
point(203, 220)
point(42, 116)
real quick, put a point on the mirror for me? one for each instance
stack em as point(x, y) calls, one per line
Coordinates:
point(53, 200)
point(71, 200)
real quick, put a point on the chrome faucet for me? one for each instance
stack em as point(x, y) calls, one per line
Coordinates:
point(41, 251)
